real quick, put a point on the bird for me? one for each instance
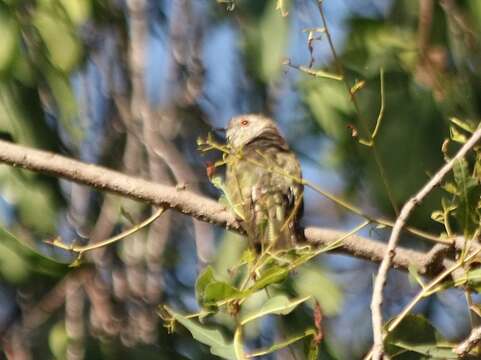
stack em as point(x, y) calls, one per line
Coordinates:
point(263, 181)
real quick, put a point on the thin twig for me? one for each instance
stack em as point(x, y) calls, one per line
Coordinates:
point(81, 249)
point(377, 297)
point(352, 95)
point(313, 72)
point(380, 116)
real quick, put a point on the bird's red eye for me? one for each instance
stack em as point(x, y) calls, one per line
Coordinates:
point(244, 122)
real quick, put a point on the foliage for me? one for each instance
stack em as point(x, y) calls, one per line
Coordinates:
point(416, 338)
point(214, 295)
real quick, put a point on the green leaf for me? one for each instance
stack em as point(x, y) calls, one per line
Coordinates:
point(281, 345)
point(37, 204)
point(463, 124)
point(64, 48)
point(248, 257)
point(219, 292)
point(469, 194)
point(325, 291)
point(13, 267)
point(416, 336)
point(473, 280)
point(10, 40)
point(18, 259)
point(438, 216)
point(439, 352)
point(210, 291)
point(447, 205)
point(277, 305)
point(457, 135)
point(450, 188)
point(313, 350)
point(207, 335)
point(274, 274)
point(204, 278)
point(78, 11)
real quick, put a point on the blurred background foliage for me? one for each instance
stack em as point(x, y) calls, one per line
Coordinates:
point(70, 82)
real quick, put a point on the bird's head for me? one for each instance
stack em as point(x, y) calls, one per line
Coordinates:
point(243, 129)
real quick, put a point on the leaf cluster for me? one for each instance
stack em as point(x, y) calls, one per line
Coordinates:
point(252, 275)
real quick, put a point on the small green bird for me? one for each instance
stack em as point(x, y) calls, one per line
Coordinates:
point(263, 181)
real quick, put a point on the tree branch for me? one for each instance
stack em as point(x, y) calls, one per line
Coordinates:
point(377, 297)
point(199, 207)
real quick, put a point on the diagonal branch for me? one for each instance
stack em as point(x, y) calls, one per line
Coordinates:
point(377, 297)
point(199, 207)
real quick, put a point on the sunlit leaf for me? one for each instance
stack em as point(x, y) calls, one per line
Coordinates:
point(210, 291)
point(204, 278)
point(457, 135)
point(450, 188)
point(64, 48)
point(438, 216)
point(276, 305)
point(78, 11)
point(465, 125)
point(220, 291)
point(207, 335)
point(272, 275)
